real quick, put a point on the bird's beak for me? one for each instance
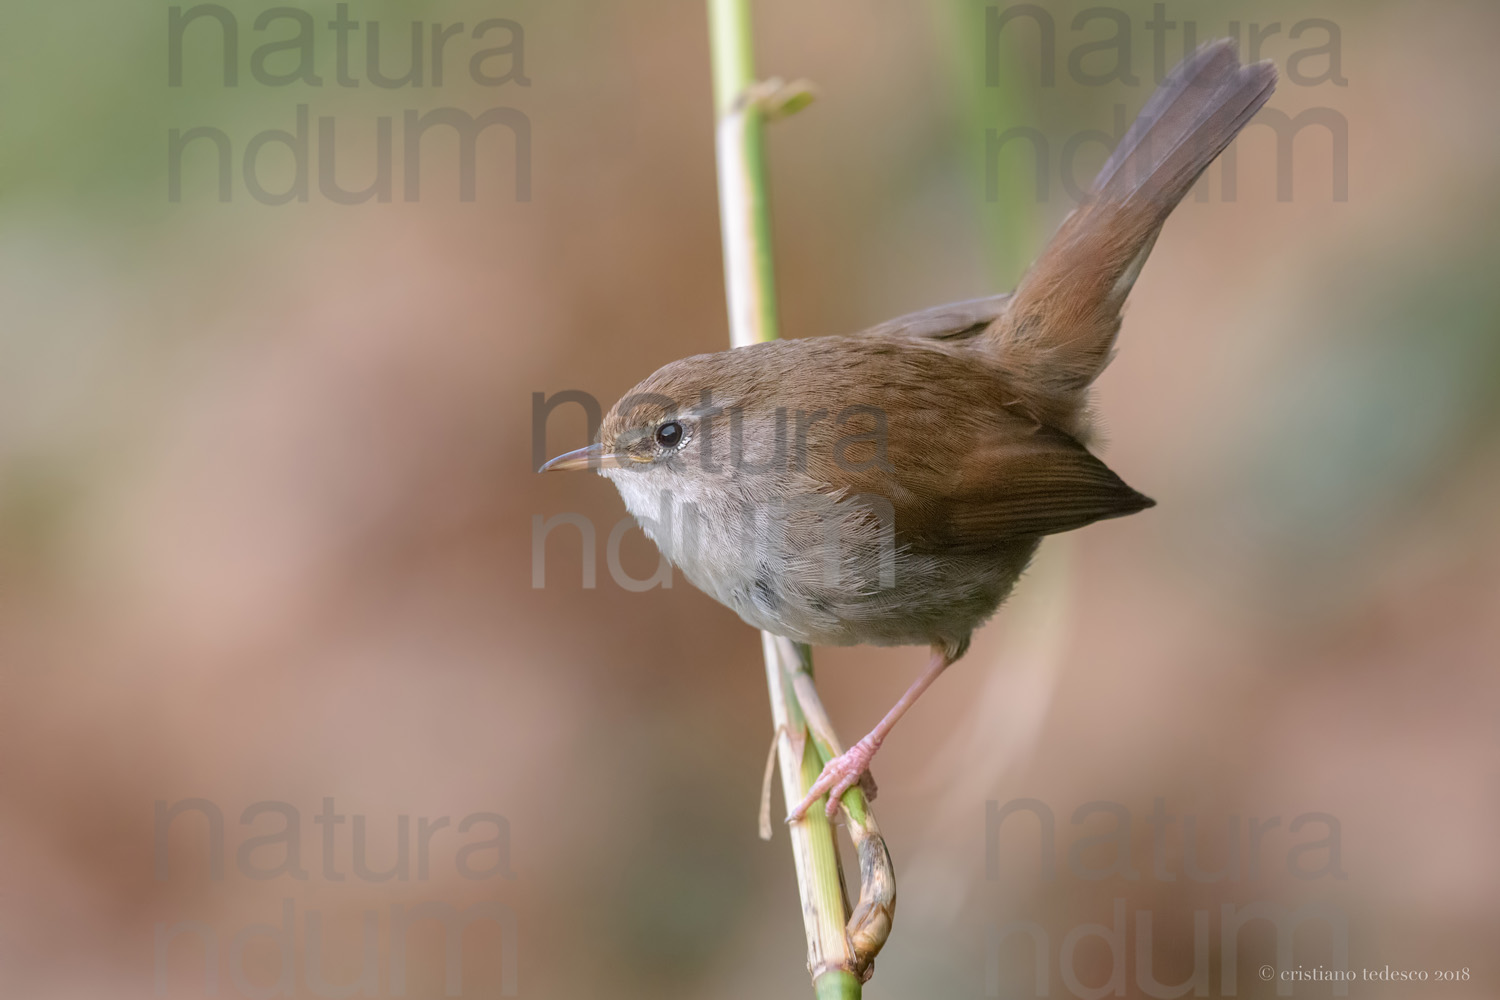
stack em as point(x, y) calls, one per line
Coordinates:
point(592, 457)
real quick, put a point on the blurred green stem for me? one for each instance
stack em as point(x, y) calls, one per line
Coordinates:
point(988, 92)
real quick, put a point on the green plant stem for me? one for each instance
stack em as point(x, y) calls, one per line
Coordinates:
point(837, 962)
point(820, 880)
point(870, 923)
point(744, 204)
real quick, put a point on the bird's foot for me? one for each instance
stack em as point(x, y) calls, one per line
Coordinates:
point(839, 775)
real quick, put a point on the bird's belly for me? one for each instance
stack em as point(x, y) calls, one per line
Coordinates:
point(850, 586)
point(929, 600)
point(821, 570)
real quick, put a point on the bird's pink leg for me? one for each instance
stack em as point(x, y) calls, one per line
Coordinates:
point(844, 771)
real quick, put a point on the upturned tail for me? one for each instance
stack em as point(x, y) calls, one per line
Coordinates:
point(1059, 329)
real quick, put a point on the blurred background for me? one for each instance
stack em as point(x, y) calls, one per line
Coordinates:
point(267, 507)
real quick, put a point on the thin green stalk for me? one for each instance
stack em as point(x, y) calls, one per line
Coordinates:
point(820, 877)
point(838, 954)
point(744, 202)
point(870, 923)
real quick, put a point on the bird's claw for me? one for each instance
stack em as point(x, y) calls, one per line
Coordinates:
point(839, 775)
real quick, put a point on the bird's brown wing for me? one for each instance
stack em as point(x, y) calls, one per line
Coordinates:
point(952, 321)
point(1019, 486)
point(962, 468)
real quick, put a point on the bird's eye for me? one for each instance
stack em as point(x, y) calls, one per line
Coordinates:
point(669, 434)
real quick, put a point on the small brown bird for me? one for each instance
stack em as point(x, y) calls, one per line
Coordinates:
point(888, 488)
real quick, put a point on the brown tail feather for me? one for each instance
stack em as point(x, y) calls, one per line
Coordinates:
point(1060, 327)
